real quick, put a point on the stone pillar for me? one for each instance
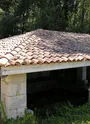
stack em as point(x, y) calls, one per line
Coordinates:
point(82, 73)
point(89, 93)
point(88, 75)
point(13, 94)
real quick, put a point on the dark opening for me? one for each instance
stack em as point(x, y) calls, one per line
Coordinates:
point(45, 88)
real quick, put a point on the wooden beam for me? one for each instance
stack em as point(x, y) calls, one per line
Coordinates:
point(42, 67)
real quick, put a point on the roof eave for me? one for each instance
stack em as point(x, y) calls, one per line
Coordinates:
point(10, 70)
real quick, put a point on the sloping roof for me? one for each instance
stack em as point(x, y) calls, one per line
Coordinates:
point(44, 46)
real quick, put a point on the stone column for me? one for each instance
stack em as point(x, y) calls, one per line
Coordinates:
point(89, 93)
point(88, 73)
point(82, 73)
point(13, 94)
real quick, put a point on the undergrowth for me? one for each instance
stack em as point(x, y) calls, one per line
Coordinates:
point(60, 114)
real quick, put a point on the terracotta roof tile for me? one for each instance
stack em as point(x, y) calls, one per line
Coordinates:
point(44, 46)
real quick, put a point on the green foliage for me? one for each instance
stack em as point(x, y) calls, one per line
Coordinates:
point(27, 119)
point(4, 116)
point(67, 114)
point(79, 18)
point(64, 114)
point(19, 16)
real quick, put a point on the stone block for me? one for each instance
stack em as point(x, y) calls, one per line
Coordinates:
point(11, 113)
point(18, 78)
point(20, 112)
point(13, 94)
point(17, 87)
point(15, 102)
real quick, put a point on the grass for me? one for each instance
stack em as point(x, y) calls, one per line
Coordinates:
point(56, 114)
point(67, 114)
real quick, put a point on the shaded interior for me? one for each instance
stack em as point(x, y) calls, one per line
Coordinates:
point(45, 88)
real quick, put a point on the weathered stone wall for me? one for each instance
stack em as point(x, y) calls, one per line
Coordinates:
point(13, 95)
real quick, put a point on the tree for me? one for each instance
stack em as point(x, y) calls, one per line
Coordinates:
point(79, 18)
point(20, 16)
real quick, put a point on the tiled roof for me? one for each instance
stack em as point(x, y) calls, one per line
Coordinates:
point(44, 46)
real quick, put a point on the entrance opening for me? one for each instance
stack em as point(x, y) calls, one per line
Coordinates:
point(45, 88)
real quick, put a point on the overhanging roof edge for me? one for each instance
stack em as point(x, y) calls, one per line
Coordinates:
point(42, 67)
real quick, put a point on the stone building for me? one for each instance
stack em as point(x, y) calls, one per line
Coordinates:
point(39, 51)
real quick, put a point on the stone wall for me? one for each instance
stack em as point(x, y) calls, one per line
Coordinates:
point(13, 95)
